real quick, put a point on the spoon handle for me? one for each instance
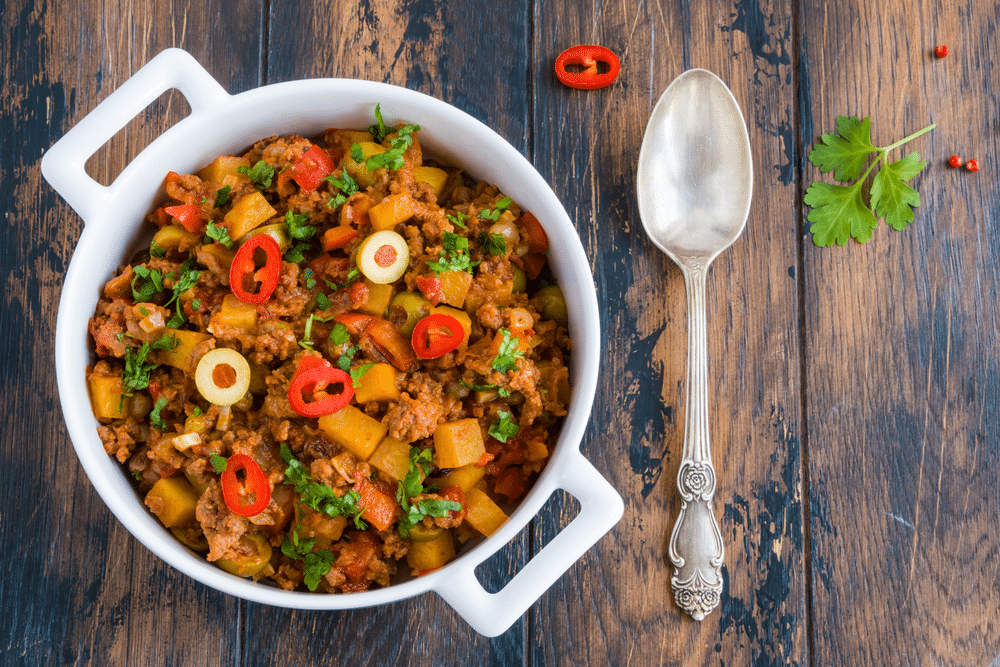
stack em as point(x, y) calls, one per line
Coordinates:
point(696, 549)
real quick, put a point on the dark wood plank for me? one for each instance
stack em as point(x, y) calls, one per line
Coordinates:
point(475, 57)
point(901, 343)
point(616, 605)
point(78, 588)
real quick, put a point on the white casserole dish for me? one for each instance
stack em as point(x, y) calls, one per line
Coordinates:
point(220, 123)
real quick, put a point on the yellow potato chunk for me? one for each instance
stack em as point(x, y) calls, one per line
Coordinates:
point(464, 477)
point(455, 286)
point(458, 443)
point(432, 176)
point(179, 357)
point(482, 513)
point(173, 501)
point(353, 430)
point(106, 397)
point(170, 237)
point(222, 166)
point(235, 314)
point(432, 554)
point(392, 457)
point(378, 298)
point(248, 213)
point(391, 211)
point(377, 384)
point(359, 170)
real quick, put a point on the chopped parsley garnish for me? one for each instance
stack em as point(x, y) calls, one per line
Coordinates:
point(454, 257)
point(508, 354)
point(503, 392)
point(495, 244)
point(498, 208)
point(223, 196)
point(155, 417)
point(197, 411)
point(340, 334)
point(319, 496)
point(392, 158)
point(218, 462)
point(344, 362)
point(352, 276)
point(323, 301)
point(219, 234)
point(196, 304)
point(296, 253)
point(411, 487)
point(347, 185)
point(503, 428)
point(156, 251)
point(260, 174)
point(145, 283)
point(189, 278)
point(378, 130)
point(297, 228)
point(357, 153)
point(359, 372)
point(136, 373)
point(307, 334)
point(315, 563)
point(458, 219)
point(309, 278)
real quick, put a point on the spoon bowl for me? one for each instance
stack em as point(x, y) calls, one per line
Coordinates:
point(694, 181)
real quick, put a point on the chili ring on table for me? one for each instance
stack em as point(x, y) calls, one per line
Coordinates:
point(334, 355)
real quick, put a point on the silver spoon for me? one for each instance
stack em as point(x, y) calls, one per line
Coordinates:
point(695, 178)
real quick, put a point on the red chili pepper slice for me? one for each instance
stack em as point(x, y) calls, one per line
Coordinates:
point(310, 169)
point(244, 273)
point(436, 335)
point(315, 379)
point(188, 215)
point(587, 56)
point(237, 495)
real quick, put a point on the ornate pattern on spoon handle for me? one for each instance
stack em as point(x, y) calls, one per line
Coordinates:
point(696, 549)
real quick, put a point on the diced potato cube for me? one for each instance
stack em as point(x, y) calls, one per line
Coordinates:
point(431, 555)
point(222, 166)
point(455, 285)
point(353, 430)
point(359, 170)
point(234, 314)
point(458, 443)
point(222, 255)
point(391, 211)
point(378, 298)
point(482, 513)
point(392, 457)
point(433, 176)
point(377, 384)
point(464, 477)
point(461, 316)
point(170, 237)
point(325, 529)
point(278, 231)
point(106, 397)
point(249, 212)
point(173, 501)
point(179, 356)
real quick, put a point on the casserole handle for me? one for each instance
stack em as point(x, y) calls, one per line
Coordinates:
point(492, 613)
point(64, 164)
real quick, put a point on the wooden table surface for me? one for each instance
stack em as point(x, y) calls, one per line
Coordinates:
point(855, 389)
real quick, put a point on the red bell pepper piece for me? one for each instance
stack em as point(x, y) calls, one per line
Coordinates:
point(538, 240)
point(587, 56)
point(378, 508)
point(356, 323)
point(391, 344)
point(436, 335)
point(338, 237)
point(431, 288)
point(237, 495)
point(189, 215)
point(355, 556)
point(309, 170)
point(243, 272)
point(315, 378)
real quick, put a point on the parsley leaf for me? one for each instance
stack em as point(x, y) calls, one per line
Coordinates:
point(223, 196)
point(357, 153)
point(352, 276)
point(307, 333)
point(309, 277)
point(136, 373)
point(219, 234)
point(839, 212)
point(340, 335)
point(411, 487)
point(454, 256)
point(347, 185)
point(155, 417)
point(317, 495)
point(145, 283)
point(156, 251)
point(260, 174)
point(495, 244)
point(296, 227)
point(392, 158)
point(498, 208)
point(218, 462)
point(344, 362)
point(379, 130)
point(359, 372)
point(503, 428)
point(458, 219)
point(508, 353)
point(323, 301)
point(296, 253)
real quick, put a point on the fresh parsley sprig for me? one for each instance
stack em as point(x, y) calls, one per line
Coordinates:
point(260, 174)
point(319, 496)
point(219, 234)
point(508, 353)
point(840, 212)
point(454, 256)
point(297, 229)
point(379, 129)
point(411, 486)
point(498, 208)
point(503, 428)
point(346, 185)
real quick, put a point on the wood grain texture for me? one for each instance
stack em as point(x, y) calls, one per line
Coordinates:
point(901, 347)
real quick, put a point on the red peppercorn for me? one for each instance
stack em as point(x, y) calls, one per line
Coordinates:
point(972, 165)
point(941, 51)
point(955, 161)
